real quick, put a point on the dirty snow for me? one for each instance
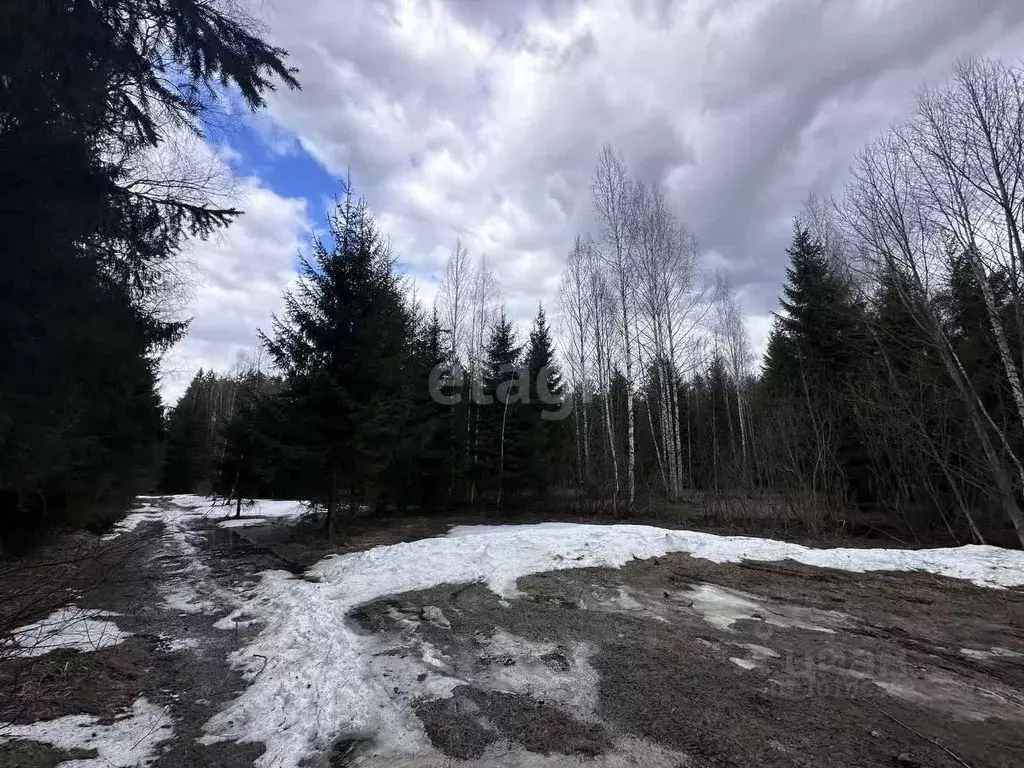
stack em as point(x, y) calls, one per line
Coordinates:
point(183, 516)
point(130, 740)
point(243, 522)
point(68, 627)
point(180, 509)
point(722, 607)
point(758, 655)
point(995, 652)
point(310, 672)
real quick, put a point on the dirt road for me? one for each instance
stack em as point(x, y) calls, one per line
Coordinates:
point(669, 660)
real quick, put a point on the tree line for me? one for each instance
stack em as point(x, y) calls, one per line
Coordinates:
point(890, 393)
point(888, 399)
point(370, 405)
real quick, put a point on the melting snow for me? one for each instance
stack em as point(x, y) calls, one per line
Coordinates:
point(722, 607)
point(758, 655)
point(311, 678)
point(242, 522)
point(995, 652)
point(131, 740)
point(177, 511)
point(67, 627)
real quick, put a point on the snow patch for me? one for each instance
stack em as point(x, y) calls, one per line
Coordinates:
point(131, 740)
point(147, 513)
point(68, 627)
point(195, 591)
point(177, 644)
point(311, 675)
point(243, 522)
point(743, 663)
point(758, 656)
point(179, 510)
point(722, 607)
point(995, 652)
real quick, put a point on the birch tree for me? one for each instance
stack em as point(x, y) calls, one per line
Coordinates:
point(454, 298)
point(482, 315)
point(735, 346)
point(602, 315)
point(612, 197)
point(576, 309)
point(890, 214)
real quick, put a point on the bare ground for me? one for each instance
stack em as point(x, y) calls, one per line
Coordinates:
point(844, 669)
point(674, 661)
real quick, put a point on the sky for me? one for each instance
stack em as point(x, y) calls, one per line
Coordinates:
point(481, 120)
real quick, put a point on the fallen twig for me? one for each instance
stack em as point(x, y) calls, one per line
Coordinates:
point(929, 739)
point(260, 656)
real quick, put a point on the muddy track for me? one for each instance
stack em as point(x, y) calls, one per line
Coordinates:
point(670, 661)
point(829, 667)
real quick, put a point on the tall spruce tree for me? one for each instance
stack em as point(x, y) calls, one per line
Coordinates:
point(542, 436)
point(427, 459)
point(344, 344)
point(500, 454)
point(189, 452)
point(818, 340)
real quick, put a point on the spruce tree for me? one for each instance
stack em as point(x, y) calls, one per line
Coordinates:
point(189, 449)
point(777, 368)
point(422, 473)
point(344, 344)
point(89, 88)
point(543, 436)
point(818, 340)
point(500, 450)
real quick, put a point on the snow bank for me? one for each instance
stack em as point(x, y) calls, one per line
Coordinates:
point(131, 740)
point(67, 627)
point(310, 676)
point(614, 545)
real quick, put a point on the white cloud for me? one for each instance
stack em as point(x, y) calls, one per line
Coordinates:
point(239, 275)
point(482, 119)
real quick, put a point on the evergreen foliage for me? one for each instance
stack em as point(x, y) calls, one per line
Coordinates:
point(817, 340)
point(345, 346)
point(89, 91)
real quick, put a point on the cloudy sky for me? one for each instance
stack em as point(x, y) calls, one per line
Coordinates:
point(482, 119)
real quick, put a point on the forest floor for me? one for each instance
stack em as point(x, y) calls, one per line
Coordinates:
point(175, 641)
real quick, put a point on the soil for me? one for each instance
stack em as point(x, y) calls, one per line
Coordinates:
point(672, 661)
point(32, 754)
point(887, 685)
point(124, 576)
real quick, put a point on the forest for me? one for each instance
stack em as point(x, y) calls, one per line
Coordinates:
point(888, 401)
